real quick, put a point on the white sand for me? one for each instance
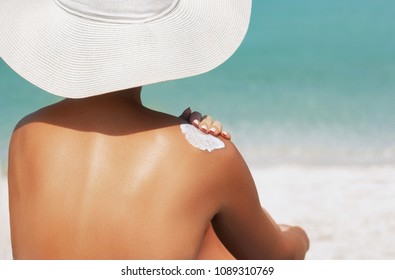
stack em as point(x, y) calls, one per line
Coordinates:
point(349, 213)
point(5, 240)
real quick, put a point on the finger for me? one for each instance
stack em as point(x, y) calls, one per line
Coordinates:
point(205, 124)
point(226, 135)
point(186, 114)
point(195, 118)
point(216, 128)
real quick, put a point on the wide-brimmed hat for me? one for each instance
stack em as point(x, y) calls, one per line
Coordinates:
point(82, 48)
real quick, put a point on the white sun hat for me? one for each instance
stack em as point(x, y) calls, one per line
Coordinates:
point(82, 48)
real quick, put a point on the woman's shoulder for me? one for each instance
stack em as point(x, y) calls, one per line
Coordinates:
point(210, 156)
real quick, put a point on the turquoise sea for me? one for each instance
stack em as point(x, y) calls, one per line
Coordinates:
point(313, 83)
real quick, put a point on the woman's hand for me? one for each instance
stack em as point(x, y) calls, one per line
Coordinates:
point(205, 123)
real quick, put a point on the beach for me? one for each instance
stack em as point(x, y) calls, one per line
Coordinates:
point(309, 99)
point(346, 211)
point(5, 239)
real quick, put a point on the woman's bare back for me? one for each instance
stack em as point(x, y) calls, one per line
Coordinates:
point(107, 186)
point(106, 178)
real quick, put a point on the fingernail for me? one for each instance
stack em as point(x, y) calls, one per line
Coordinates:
point(213, 130)
point(196, 122)
point(204, 127)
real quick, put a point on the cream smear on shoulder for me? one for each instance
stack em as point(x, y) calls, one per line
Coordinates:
point(201, 140)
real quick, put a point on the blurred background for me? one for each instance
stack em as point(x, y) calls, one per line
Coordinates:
point(310, 101)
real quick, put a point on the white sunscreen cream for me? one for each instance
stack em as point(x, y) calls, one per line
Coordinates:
point(200, 140)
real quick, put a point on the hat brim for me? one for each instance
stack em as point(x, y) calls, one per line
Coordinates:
point(76, 57)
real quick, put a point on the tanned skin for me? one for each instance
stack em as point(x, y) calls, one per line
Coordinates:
point(106, 178)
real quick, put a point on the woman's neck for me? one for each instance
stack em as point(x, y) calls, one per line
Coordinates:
point(128, 98)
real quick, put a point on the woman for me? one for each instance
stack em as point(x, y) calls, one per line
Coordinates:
point(98, 175)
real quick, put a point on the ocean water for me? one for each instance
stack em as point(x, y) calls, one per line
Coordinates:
point(313, 83)
point(312, 86)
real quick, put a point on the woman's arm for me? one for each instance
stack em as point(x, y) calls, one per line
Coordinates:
point(246, 230)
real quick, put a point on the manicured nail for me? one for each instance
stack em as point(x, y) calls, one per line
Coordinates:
point(204, 127)
point(213, 130)
point(196, 122)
